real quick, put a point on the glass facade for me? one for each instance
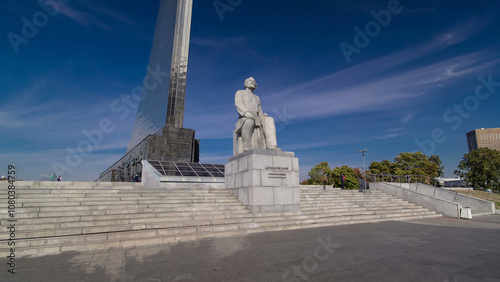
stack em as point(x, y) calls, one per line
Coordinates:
point(164, 89)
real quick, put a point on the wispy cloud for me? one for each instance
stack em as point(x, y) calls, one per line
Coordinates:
point(82, 18)
point(368, 87)
point(97, 14)
point(9, 121)
point(409, 117)
point(325, 98)
point(100, 8)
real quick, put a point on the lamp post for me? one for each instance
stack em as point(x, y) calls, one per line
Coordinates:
point(364, 170)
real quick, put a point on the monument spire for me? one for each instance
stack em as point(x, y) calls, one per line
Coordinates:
point(164, 91)
point(178, 74)
point(158, 133)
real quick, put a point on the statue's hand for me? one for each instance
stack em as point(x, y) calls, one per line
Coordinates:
point(264, 115)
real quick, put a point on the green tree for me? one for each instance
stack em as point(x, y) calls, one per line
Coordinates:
point(384, 166)
point(351, 179)
point(319, 175)
point(411, 164)
point(437, 161)
point(417, 164)
point(480, 168)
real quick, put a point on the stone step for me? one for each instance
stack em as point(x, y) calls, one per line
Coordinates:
point(151, 207)
point(105, 202)
point(360, 198)
point(338, 192)
point(41, 224)
point(326, 207)
point(359, 206)
point(77, 228)
point(112, 212)
point(125, 197)
point(359, 211)
point(346, 197)
point(55, 245)
point(325, 224)
point(85, 217)
point(62, 218)
point(344, 203)
point(40, 247)
point(75, 222)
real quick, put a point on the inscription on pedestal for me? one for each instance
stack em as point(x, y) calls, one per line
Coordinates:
point(276, 175)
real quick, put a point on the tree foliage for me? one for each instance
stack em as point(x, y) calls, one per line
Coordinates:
point(322, 174)
point(319, 175)
point(384, 166)
point(410, 164)
point(351, 179)
point(480, 168)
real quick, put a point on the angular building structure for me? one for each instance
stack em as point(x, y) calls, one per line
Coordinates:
point(158, 133)
point(483, 138)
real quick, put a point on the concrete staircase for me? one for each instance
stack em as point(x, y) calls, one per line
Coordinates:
point(54, 217)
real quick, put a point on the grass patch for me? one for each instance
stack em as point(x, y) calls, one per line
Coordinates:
point(482, 195)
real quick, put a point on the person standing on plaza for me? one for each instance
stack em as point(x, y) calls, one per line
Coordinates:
point(342, 181)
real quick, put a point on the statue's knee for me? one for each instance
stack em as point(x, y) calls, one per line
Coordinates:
point(249, 123)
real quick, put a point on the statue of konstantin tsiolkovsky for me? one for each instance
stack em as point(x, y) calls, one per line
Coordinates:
point(254, 129)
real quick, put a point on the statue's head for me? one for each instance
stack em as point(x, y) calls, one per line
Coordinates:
point(250, 83)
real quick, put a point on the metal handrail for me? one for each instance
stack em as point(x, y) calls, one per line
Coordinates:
point(408, 179)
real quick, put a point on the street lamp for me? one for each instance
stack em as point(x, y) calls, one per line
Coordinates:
point(364, 170)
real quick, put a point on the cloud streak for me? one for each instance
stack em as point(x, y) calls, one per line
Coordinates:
point(377, 85)
point(96, 11)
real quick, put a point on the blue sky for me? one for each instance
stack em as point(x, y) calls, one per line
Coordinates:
point(414, 79)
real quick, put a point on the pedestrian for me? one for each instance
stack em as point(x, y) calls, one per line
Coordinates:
point(137, 177)
point(59, 178)
point(342, 181)
point(324, 178)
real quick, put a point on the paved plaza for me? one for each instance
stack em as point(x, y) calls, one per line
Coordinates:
point(437, 249)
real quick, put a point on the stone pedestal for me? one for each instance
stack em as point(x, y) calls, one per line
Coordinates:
point(265, 180)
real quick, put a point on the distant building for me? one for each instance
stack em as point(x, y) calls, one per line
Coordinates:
point(451, 182)
point(483, 138)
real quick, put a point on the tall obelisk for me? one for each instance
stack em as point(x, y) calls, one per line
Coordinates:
point(158, 133)
point(164, 90)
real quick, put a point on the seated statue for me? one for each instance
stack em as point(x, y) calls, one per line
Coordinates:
point(254, 129)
